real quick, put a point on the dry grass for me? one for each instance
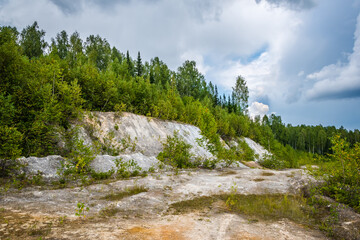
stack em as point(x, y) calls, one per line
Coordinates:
point(227, 172)
point(267, 174)
point(258, 180)
point(109, 211)
point(126, 193)
point(264, 207)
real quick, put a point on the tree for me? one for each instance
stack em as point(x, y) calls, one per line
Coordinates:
point(76, 48)
point(116, 54)
point(130, 64)
point(98, 51)
point(10, 60)
point(189, 81)
point(241, 94)
point(139, 66)
point(62, 44)
point(32, 41)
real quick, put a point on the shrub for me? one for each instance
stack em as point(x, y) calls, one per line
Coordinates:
point(272, 162)
point(341, 173)
point(176, 152)
point(126, 169)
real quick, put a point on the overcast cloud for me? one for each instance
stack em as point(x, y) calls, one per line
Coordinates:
point(300, 58)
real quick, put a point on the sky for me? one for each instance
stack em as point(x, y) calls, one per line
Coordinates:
point(300, 58)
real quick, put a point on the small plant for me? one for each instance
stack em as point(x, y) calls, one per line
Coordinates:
point(119, 109)
point(231, 201)
point(81, 209)
point(62, 220)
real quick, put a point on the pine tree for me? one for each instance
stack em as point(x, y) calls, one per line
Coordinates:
point(139, 66)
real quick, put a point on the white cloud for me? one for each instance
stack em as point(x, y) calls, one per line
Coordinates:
point(340, 80)
point(258, 109)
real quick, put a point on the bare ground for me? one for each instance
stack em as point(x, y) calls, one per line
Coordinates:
point(38, 213)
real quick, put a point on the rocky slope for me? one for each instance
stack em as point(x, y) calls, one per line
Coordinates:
point(130, 137)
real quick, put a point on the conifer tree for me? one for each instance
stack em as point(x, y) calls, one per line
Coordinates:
point(139, 66)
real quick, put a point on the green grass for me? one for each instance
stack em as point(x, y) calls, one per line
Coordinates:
point(264, 207)
point(126, 193)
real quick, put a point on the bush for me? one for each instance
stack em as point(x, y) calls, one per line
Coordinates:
point(341, 173)
point(176, 152)
point(272, 162)
point(127, 169)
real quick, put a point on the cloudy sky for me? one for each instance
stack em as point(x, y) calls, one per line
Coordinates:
point(300, 58)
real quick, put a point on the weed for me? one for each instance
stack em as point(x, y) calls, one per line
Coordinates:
point(231, 200)
point(81, 209)
point(62, 220)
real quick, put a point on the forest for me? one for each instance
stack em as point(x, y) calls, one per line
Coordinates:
point(44, 86)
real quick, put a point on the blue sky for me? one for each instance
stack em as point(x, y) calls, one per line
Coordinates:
point(301, 58)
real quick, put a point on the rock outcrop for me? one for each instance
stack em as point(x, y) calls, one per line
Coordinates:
point(129, 137)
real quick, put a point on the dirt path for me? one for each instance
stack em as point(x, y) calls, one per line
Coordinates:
point(33, 212)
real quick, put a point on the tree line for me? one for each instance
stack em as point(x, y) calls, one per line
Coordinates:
point(45, 86)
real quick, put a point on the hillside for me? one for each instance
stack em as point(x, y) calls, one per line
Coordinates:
point(130, 137)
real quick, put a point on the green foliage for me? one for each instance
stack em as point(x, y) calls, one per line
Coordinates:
point(10, 139)
point(341, 173)
point(81, 210)
point(42, 93)
point(102, 175)
point(32, 41)
point(272, 162)
point(241, 94)
point(127, 169)
point(176, 152)
point(78, 161)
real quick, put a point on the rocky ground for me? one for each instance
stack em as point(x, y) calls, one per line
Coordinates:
point(44, 213)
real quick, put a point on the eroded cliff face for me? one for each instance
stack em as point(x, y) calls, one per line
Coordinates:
point(131, 133)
